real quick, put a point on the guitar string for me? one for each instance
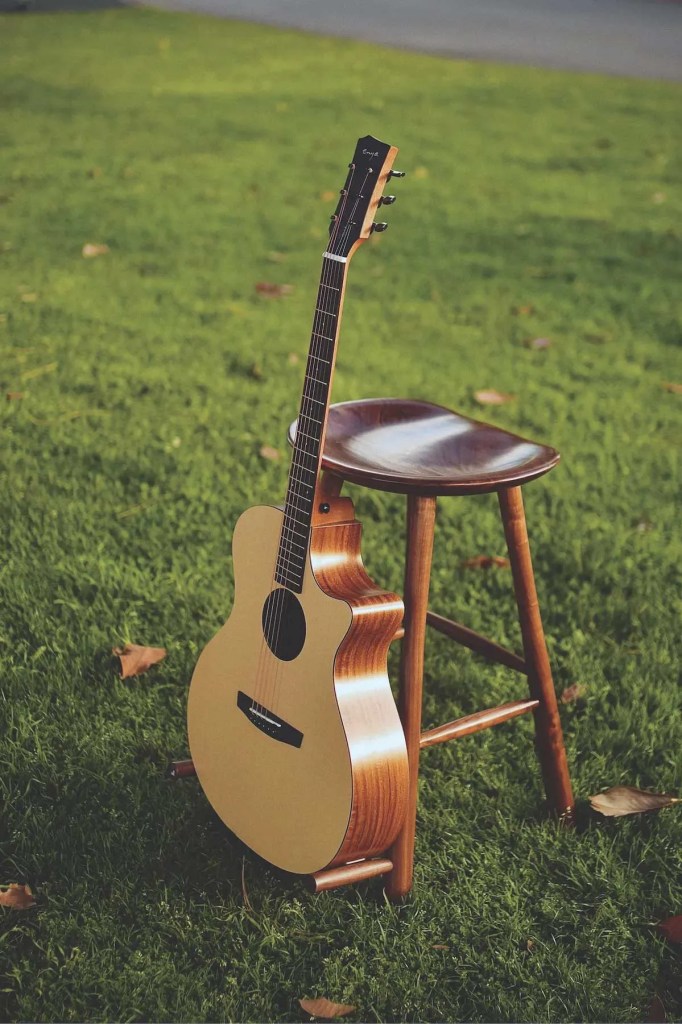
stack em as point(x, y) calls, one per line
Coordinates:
point(296, 495)
point(324, 307)
point(327, 395)
point(262, 686)
point(330, 273)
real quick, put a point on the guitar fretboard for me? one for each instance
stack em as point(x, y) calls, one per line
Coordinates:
point(312, 418)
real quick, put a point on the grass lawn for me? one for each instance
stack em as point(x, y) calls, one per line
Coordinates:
point(143, 383)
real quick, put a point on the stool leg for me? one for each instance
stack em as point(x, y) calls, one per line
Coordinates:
point(548, 733)
point(421, 515)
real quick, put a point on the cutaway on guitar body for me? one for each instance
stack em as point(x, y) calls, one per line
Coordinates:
point(304, 759)
point(293, 729)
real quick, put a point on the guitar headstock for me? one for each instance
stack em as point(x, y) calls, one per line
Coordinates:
point(362, 194)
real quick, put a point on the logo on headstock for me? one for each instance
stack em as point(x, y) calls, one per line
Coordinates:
point(368, 152)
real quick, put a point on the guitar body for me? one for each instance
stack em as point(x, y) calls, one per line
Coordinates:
point(293, 728)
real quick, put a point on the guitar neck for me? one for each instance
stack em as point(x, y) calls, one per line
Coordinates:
point(312, 422)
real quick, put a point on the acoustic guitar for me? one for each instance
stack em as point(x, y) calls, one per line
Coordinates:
point(293, 729)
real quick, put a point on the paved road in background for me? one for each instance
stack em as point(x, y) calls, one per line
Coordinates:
point(642, 38)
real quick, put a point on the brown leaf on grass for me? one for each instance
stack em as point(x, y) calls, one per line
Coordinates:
point(421, 172)
point(488, 396)
point(267, 452)
point(136, 659)
point(539, 343)
point(14, 396)
point(485, 562)
point(572, 693)
point(523, 310)
point(92, 249)
point(327, 196)
point(675, 388)
point(440, 945)
point(293, 359)
point(324, 1008)
point(672, 928)
point(17, 897)
point(620, 800)
point(255, 372)
point(273, 291)
point(655, 1013)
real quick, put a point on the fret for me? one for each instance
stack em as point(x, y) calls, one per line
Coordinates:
point(296, 544)
point(290, 515)
point(292, 530)
point(308, 455)
point(302, 433)
point(295, 585)
point(330, 286)
point(292, 554)
point(311, 419)
point(293, 496)
point(326, 313)
point(323, 336)
point(316, 379)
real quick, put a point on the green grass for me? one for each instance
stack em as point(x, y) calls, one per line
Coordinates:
point(199, 152)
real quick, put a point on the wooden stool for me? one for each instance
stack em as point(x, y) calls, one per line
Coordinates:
point(424, 451)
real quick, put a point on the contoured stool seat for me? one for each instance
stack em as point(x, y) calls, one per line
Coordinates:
point(426, 451)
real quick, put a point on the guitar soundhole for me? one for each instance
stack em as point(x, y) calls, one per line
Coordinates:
point(284, 624)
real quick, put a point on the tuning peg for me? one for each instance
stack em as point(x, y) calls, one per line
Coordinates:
point(387, 200)
point(396, 174)
point(381, 226)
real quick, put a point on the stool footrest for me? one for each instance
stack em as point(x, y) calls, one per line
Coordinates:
point(476, 722)
point(475, 642)
point(180, 770)
point(346, 874)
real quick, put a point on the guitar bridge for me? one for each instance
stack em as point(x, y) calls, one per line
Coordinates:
point(267, 721)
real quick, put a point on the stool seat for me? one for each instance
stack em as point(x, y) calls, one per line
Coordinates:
point(413, 447)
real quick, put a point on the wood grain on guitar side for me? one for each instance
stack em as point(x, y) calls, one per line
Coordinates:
point(373, 730)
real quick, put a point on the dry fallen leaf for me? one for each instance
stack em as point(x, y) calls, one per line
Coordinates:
point(13, 396)
point(421, 172)
point(17, 897)
point(485, 562)
point(136, 659)
point(571, 693)
point(539, 343)
point(439, 945)
point(492, 397)
point(621, 800)
point(293, 359)
point(675, 388)
point(92, 249)
point(327, 196)
point(522, 310)
point(672, 928)
point(324, 1008)
point(267, 452)
point(273, 291)
point(656, 1011)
